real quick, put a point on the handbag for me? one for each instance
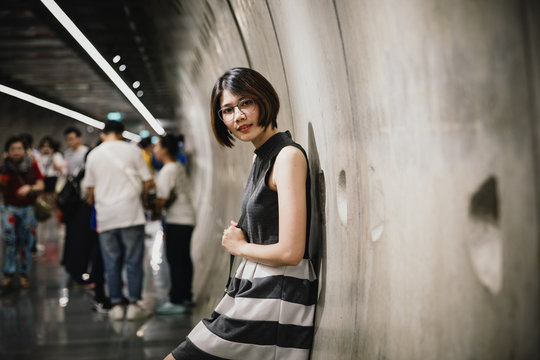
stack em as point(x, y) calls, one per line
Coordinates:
point(42, 210)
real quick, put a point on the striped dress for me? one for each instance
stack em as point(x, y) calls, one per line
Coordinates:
point(268, 312)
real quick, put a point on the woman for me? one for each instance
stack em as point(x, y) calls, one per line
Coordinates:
point(173, 195)
point(52, 165)
point(268, 312)
point(20, 182)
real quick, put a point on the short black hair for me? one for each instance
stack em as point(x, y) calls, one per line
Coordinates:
point(12, 140)
point(243, 82)
point(170, 142)
point(113, 127)
point(72, 129)
point(52, 143)
point(27, 140)
point(145, 142)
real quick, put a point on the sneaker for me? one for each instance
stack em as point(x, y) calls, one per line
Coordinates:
point(169, 308)
point(6, 282)
point(117, 312)
point(101, 307)
point(25, 283)
point(136, 312)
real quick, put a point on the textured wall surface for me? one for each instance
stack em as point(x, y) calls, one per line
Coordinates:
point(421, 122)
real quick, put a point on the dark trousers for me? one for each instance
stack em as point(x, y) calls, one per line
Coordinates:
point(97, 274)
point(177, 247)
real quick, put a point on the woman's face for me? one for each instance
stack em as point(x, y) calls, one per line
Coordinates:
point(243, 126)
point(159, 151)
point(16, 151)
point(46, 148)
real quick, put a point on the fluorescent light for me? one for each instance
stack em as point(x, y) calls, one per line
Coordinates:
point(131, 136)
point(102, 63)
point(62, 110)
point(51, 106)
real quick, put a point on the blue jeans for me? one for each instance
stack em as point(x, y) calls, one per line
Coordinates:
point(119, 247)
point(19, 234)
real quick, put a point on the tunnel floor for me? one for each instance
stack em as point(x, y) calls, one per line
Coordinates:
point(34, 324)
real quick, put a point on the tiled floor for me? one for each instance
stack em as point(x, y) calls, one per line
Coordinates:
point(51, 321)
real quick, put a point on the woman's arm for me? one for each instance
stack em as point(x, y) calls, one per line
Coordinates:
point(288, 178)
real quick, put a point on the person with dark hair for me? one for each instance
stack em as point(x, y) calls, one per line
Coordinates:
point(20, 182)
point(173, 197)
point(115, 177)
point(146, 150)
point(76, 151)
point(268, 311)
point(52, 163)
point(28, 141)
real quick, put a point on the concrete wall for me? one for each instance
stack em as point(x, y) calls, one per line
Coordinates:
point(421, 123)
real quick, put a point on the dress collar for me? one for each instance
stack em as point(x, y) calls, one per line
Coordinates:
point(265, 150)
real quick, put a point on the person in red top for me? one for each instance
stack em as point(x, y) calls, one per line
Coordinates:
point(20, 182)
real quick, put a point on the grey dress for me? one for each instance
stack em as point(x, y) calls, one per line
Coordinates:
point(268, 312)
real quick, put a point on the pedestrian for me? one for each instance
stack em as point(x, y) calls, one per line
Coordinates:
point(174, 198)
point(268, 311)
point(78, 239)
point(20, 182)
point(115, 177)
point(52, 165)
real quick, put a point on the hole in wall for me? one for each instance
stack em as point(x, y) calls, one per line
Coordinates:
point(342, 197)
point(484, 235)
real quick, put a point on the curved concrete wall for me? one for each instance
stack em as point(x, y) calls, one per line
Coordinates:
point(420, 119)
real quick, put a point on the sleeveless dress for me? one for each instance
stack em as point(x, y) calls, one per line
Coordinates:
point(268, 312)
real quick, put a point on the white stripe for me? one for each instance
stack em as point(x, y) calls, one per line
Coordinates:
point(212, 344)
point(250, 270)
point(276, 310)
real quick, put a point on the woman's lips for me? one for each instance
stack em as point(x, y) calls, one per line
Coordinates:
point(244, 128)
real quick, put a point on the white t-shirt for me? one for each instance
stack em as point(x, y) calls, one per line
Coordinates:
point(173, 176)
point(117, 196)
point(75, 158)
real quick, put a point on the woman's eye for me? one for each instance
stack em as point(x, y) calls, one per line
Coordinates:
point(246, 102)
point(226, 110)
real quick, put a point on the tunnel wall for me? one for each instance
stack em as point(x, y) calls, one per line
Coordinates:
point(421, 123)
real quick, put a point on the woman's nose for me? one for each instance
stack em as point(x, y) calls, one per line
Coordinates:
point(238, 115)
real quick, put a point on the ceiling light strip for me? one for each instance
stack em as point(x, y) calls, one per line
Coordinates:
point(102, 63)
point(62, 110)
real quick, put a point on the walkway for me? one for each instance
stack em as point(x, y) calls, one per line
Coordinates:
point(50, 321)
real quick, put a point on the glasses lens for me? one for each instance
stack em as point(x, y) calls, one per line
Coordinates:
point(246, 106)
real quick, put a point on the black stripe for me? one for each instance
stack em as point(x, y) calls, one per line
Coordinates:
point(260, 332)
point(298, 291)
point(188, 351)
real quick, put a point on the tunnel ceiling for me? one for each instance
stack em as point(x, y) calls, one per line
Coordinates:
point(38, 56)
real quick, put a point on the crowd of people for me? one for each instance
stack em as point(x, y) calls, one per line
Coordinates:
point(101, 195)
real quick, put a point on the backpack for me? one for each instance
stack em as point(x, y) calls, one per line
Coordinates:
point(69, 197)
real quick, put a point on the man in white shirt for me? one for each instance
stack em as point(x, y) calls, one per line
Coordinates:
point(76, 151)
point(116, 175)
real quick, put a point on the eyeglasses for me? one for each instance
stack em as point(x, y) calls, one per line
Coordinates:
point(246, 106)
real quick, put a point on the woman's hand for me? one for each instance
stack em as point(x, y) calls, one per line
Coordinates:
point(24, 190)
point(233, 239)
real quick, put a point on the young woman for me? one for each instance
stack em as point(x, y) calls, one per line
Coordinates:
point(173, 196)
point(268, 311)
point(52, 165)
point(20, 182)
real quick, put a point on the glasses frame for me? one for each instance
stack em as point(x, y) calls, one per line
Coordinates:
point(220, 111)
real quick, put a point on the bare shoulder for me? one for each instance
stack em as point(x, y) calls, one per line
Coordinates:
point(291, 157)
